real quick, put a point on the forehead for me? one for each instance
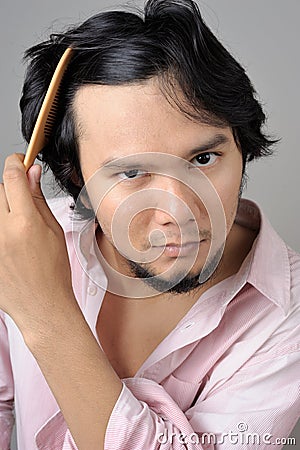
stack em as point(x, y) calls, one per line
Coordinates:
point(126, 119)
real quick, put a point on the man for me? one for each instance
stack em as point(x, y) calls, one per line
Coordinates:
point(164, 313)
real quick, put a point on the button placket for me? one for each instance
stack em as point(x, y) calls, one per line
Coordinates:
point(92, 290)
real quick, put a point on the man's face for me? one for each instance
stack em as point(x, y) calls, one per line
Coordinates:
point(122, 131)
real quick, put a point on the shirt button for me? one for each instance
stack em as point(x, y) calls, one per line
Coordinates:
point(92, 290)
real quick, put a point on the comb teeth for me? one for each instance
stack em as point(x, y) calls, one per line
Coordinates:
point(46, 119)
point(51, 117)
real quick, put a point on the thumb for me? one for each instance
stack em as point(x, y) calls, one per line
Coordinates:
point(34, 179)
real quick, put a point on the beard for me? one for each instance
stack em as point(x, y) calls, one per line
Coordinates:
point(179, 284)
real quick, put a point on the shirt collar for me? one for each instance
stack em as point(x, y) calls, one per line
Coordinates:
point(268, 262)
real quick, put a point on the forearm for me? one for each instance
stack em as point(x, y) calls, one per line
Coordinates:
point(78, 373)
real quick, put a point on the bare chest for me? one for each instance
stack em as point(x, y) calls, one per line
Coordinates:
point(130, 332)
point(126, 349)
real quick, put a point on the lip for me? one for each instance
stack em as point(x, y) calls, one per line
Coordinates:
point(174, 250)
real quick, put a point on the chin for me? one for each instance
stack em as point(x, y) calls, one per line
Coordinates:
point(179, 284)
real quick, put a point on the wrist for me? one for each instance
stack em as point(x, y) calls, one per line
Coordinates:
point(52, 322)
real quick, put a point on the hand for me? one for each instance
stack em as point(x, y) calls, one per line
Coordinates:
point(35, 276)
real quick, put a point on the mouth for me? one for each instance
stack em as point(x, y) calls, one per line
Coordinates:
point(175, 250)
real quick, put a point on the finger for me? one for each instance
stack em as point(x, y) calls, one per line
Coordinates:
point(16, 185)
point(4, 209)
point(34, 179)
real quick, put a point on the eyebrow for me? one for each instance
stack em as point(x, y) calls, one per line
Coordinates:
point(211, 144)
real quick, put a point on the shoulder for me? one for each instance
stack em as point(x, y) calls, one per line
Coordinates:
point(294, 258)
point(294, 262)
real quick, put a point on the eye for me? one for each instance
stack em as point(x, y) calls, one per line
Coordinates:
point(131, 174)
point(205, 159)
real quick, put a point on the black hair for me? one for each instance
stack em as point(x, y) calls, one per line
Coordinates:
point(168, 40)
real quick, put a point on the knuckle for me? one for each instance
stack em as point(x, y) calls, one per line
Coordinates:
point(20, 156)
point(38, 197)
point(15, 158)
point(11, 173)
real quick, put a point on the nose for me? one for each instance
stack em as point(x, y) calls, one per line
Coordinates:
point(174, 204)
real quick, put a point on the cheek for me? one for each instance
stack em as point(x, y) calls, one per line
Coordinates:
point(116, 217)
point(228, 189)
point(105, 214)
point(139, 226)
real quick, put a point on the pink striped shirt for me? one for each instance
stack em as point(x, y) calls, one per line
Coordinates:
point(226, 377)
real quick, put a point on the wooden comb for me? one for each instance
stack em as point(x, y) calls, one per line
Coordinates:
point(48, 112)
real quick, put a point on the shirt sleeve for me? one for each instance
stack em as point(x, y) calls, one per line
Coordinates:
point(256, 409)
point(146, 417)
point(141, 415)
point(6, 389)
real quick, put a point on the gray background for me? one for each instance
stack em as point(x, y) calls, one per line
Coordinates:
point(262, 34)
